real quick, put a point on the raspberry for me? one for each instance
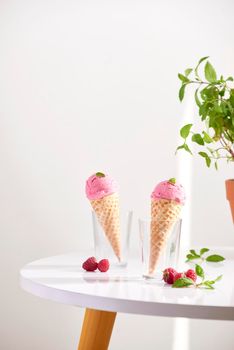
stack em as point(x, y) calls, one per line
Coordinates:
point(179, 275)
point(103, 265)
point(90, 264)
point(169, 275)
point(191, 274)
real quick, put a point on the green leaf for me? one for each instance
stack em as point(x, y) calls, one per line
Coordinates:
point(197, 98)
point(204, 250)
point(199, 62)
point(172, 180)
point(206, 137)
point(183, 282)
point(179, 147)
point(215, 258)
point(181, 92)
point(208, 161)
point(183, 78)
point(185, 130)
point(230, 79)
point(186, 147)
point(199, 271)
point(218, 278)
point(207, 285)
point(100, 174)
point(216, 165)
point(198, 139)
point(207, 158)
point(203, 59)
point(192, 251)
point(210, 72)
point(203, 154)
point(222, 93)
point(192, 257)
point(188, 71)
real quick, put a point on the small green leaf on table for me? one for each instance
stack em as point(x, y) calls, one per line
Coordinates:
point(183, 282)
point(215, 258)
point(218, 278)
point(204, 250)
point(199, 271)
point(191, 257)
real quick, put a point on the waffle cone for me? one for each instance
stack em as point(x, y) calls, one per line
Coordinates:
point(107, 212)
point(164, 214)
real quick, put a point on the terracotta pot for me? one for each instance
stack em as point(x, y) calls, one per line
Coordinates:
point(230, 195)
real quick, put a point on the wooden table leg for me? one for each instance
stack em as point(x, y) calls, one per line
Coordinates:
point(96, 330)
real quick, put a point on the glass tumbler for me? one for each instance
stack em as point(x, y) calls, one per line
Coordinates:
point(103, 248)
point(170, 251)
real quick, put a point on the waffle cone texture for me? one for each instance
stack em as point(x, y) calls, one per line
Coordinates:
point(164, 214)
point(107, 212)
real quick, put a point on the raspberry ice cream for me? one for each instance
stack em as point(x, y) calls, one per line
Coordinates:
point(102, 192)
point(167, 200)
point(169, 190)
point(100, 185)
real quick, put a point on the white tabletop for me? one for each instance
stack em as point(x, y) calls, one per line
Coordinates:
point(61, 279)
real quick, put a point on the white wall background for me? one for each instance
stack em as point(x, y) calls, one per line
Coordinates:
point(92, 85)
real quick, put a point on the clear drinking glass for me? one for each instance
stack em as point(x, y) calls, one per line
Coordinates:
point(103, 248)
point(169, 256)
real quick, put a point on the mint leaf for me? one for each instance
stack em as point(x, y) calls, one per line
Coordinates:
point(218, 278)
point(210, 282)
point(172, 180)
point(182, 282)
point(208, 285)
point(100, 174)
point(192, 257)
point(192, 251)
point(184, 132)
point(210, 72)
point(204, 250)
point(199, 271)
point(215, 258)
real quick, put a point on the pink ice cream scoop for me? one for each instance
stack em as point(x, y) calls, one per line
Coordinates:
point(100, 185)
point(169, 190)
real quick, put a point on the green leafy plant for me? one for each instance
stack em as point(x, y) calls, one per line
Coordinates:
point(214, 98)
point(193, 255)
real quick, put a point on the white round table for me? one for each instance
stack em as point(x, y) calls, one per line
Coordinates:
point(61, 279)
